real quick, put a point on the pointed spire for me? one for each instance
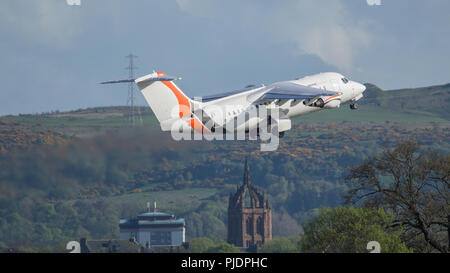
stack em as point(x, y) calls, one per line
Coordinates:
point(246, 173)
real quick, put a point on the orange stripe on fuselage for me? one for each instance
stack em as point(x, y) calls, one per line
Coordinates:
point(183, 101)
point(332, 97)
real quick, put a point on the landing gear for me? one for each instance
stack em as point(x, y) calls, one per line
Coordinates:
point(354, 106)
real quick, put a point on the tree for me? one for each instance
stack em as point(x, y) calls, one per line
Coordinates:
point(414, 186)
point(285, 225)
point(42, 234)
point(200, 245)
point(280, 245)
point(208, 245)
point(348, 230)
point(223, 248)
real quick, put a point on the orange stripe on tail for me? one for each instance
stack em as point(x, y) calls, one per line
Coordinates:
point(183, 101)
point(197, 125)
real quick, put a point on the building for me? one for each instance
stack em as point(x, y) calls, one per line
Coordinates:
point(154, 229)
point(249, 215)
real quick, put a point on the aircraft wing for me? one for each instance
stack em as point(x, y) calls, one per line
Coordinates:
point(290, 90)
point(280, 90)
point(222, 95)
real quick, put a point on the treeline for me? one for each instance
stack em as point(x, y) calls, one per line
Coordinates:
point(337, 230)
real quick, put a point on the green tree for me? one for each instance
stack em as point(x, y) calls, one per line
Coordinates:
point(42, 234)
point(281, 245)
point(348, 230)
point(200, 245)
point(223, 248)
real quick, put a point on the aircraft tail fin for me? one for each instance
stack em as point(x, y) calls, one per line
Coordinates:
point(166, 100)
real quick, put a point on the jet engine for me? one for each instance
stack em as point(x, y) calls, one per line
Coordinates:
point(323, 103)
point(319, 103)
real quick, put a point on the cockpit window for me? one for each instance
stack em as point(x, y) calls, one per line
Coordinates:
point(345, 80)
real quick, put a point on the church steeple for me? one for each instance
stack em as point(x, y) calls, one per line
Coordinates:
point(246, 173)
point(249, 215)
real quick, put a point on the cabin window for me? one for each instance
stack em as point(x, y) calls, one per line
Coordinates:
point(345, 80)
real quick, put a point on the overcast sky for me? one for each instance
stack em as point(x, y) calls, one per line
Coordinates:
point(54, 55)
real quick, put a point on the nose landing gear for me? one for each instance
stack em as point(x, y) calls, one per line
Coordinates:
point(353, 106)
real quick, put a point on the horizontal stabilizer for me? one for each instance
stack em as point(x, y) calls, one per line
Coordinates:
point(148, 78)
point(119, 81)
point(155, 77)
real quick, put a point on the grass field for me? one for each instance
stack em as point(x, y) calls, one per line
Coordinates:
point(369, 113)
point(78, 120)
point(167, 197)
point(173, 201)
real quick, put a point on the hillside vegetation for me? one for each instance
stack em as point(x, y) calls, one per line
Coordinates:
point(74, 174)
point(426, 100)
point(15, 136)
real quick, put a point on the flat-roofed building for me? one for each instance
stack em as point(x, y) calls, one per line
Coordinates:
point(154, 229)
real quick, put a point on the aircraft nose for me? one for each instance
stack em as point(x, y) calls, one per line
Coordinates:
point(361, 87)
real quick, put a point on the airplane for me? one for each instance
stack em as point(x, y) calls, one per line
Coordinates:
point(213, 114)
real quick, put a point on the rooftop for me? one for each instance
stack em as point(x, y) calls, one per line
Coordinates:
point(155, 214)
point(143, 223)
point(152, 219)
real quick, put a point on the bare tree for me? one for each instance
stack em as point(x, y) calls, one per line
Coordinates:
point(413, 185)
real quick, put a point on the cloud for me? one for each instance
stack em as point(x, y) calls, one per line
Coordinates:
point(49, 22)
point(322, 28)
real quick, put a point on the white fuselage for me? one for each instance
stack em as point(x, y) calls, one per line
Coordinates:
point(227, 108)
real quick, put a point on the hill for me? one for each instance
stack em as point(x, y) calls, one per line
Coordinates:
point(427, 100)
point(84, 122)
point(418, 105)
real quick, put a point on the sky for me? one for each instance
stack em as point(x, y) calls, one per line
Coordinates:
point(53, 55)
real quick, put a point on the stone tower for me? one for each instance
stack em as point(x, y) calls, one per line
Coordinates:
point(249, 215)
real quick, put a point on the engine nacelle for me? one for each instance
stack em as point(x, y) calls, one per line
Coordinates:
point(323, 102)
point(332, 104)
